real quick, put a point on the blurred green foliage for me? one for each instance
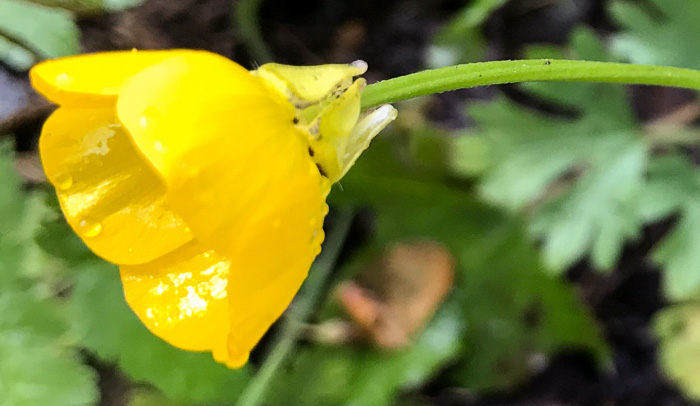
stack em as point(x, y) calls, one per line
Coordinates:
point(358, 375)
point(658, 32)
point(39, 359)
point(578, 177)
point(30, 33)
point(501, 281)
point(517, 199)
point(460, 40)
point(34, 30)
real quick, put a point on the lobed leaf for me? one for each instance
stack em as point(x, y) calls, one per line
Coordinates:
point(37, 362)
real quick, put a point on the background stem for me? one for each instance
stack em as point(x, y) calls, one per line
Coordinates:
point(246, 18)
point(501, 72)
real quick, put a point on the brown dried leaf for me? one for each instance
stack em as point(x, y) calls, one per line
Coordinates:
point(395, 297)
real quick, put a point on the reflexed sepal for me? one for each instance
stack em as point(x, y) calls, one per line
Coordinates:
point(327, 102)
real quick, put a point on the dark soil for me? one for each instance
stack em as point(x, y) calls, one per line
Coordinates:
point(391, 36)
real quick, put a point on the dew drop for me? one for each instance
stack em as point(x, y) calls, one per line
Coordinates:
point(64, 182)
point(316, 240)
point(150, 116)
point(89, 228)
point(276, 223)
point(159, 147)
point(236, 355)
point(313, 222)
point(63, 80)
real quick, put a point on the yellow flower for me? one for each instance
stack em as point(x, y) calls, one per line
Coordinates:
point(205, 182)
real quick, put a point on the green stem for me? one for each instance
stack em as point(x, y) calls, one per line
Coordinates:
point(501, 72)
point(293, 326)
point(246, 14)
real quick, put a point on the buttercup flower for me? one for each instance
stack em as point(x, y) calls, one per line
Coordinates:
point(205, 182)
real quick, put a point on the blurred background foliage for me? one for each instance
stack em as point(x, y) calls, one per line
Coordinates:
point(571, 214)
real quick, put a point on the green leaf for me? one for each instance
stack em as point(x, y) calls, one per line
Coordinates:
point(14, 55)
point(44, 32)
point(37, 371)
point(579, 177)
point(598, 213)
point(21, 214)
point(470, 156)
point(678, 329)
point(662, 34)
point(679, 253)
point(79, 6)
point(461, 40)
point(109, 328)
point(88, 6)
point(674, 186)
point(38, 366)
point(672, 181)
point(33, 316)
point(588, 182)
point(10, 205)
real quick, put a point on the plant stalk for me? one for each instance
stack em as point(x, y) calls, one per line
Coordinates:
point(532, 70)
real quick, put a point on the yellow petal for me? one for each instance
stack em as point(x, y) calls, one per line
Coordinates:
point(224, 144)
point(270, 265)
point(182, 298)
point(189, 104)
point(309, 83)
point(108, 192)
point(87, 79)
point(239, 173)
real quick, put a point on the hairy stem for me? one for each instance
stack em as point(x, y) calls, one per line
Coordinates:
point(501, 72)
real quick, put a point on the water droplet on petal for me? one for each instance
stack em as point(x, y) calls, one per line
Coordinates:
point(236, 356)
point(63, 80)
point(276, 223)
point(159, 147)
point(64, 182)
point(150, 114)
point(316, 240)
point(313, 222)
point(89, 228)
